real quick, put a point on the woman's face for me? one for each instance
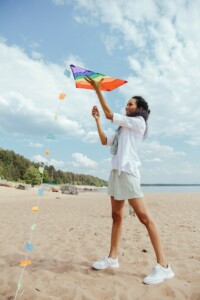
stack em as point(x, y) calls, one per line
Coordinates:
point(131, 106)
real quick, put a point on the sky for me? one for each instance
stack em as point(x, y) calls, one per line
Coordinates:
point(152, 44)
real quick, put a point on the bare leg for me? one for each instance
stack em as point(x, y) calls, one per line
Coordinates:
point(140, 208)
point(117, 216)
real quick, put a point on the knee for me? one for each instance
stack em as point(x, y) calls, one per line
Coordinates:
point(117, 218)
point(145, 219)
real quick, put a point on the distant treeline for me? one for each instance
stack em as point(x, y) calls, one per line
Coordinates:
point(14, 167)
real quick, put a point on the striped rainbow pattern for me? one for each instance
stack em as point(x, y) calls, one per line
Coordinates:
point(107, 84)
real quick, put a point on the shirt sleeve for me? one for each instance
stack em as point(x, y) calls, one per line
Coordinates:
point(110, 140)
point(134, 123)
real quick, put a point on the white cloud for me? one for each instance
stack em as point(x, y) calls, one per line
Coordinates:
point(179, 172)
point(29, 92)
point(58, 164)
point(91, 137)
point(155, 159)
point(116, 16)
point(107, 160)
point(80, 164)
point(164, 164)
point(195, 141)
point(110, 42)
point(36, 55)
point(82, 160)
point(165, 55)
point(39, 159)
point(75, 60)
point(19, 115)
point(157, 152)
point(37, 145)
point(134, 64)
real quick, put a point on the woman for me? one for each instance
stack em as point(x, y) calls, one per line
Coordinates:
point(124, 181)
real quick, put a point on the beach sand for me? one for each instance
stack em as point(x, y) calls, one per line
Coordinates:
point(74, 230)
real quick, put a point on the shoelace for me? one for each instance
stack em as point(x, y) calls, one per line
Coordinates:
point(104, 258)
point(154, 270)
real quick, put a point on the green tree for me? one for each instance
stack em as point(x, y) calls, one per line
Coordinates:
point(1, 170)
point(32, 176)
point(45, 176)
point(15, 167)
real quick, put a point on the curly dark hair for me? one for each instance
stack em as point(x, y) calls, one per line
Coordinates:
point(142, 108)
point(141, 111)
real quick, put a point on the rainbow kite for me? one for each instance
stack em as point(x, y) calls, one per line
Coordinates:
point(107, 84)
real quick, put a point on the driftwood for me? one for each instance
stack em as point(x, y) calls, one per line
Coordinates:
point(5, 184)
point(86, 189)
point(16, 185)
point(21, 187)
point(69, 190)
point(54, 189)
point(8, 184)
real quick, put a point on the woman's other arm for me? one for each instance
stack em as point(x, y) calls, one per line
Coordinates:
point(96, 115)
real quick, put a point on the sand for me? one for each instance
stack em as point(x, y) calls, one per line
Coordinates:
point(73, 231)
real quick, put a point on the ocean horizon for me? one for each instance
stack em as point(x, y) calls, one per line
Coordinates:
point(170, 188)
point(166, 188)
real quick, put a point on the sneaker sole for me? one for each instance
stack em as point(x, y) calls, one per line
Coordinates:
point(103, 268)
point(160, 281)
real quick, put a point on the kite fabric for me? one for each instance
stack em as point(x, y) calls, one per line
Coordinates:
point(107, 84)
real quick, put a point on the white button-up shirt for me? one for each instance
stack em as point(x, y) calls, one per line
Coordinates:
point(130, 138)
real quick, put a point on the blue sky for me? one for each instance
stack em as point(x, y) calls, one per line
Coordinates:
point(153, 44)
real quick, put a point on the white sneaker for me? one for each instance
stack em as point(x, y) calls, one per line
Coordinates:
point(159, 274)
point(105, 262)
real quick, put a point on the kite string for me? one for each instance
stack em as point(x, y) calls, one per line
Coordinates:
point(30, 240)
point(19, 285)
point(57, 111)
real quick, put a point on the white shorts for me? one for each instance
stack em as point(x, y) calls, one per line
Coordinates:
point(124, 186)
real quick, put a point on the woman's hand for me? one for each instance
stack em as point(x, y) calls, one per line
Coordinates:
point(94, 83)
point(95, 112)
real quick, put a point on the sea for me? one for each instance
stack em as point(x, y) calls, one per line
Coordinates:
point(164, 189)
point(171, 188)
